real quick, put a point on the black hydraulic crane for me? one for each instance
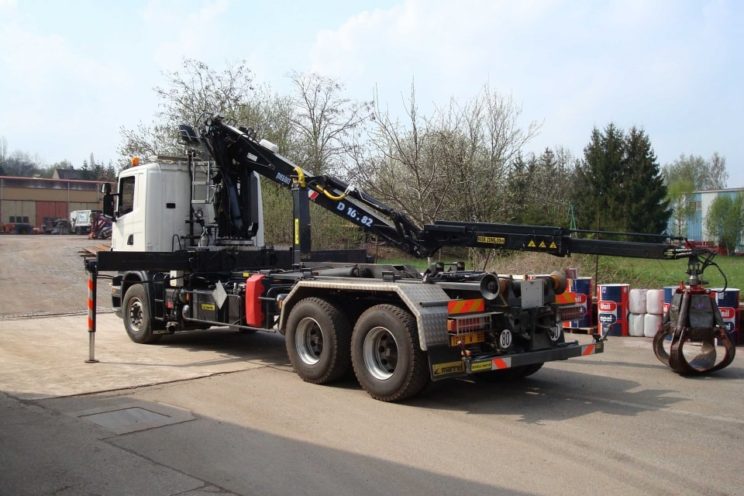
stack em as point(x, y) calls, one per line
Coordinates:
point(238, 154)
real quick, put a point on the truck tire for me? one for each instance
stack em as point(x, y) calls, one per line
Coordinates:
point(318, 338)
point(137, 315)
point(511, 374)
point(388, 361)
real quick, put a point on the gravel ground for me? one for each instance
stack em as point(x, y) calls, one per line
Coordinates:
point(44, 275)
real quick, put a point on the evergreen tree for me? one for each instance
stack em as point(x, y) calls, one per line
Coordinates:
point(619, 184)
point(646, 203)
point(518, 182)
point(599, 177)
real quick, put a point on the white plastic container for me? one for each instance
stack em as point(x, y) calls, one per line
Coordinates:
point(635, 324)
point(651, 324)
point(637, 301)
point(655, 301)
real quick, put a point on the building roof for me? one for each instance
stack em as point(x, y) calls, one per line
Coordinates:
point(30, 179)
point(726, 190)
point(67, 174)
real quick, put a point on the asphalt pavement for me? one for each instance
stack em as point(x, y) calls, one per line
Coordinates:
point(217, 412)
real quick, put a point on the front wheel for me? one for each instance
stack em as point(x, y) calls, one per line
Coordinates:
point(388, 361)
point(137, 315)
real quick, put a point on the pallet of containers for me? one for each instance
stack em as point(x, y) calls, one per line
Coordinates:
point(637, 307)
point(654, 312)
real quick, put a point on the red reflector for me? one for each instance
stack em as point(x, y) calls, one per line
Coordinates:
point(476, 305)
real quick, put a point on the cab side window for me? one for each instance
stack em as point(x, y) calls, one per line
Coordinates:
point(126, 199)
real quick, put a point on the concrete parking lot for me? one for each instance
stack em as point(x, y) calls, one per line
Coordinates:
point(217, 412)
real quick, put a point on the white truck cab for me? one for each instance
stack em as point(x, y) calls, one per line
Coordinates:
point(153, 208)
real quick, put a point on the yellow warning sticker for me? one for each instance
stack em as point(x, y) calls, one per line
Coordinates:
point(542, 244)
point(448, 368)
point(208, 306)
point(531, 244)
point(491, 240)
point(480, 366)
point(467, 338)
point(297, 232)
point(553, 245)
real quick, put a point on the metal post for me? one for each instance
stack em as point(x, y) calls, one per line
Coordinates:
point(302, 237)
point(92, 271)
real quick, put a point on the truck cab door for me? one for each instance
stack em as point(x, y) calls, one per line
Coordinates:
point(127, 231)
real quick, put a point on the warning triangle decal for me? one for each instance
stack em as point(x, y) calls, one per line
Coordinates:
point(531, 244)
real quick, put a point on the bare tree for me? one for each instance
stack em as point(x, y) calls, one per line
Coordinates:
point(717, 171)
point(703, 174)
point(394, 165)
point(324, 121)
point(190, 96)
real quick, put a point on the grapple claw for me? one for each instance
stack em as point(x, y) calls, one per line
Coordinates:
point(690, 340)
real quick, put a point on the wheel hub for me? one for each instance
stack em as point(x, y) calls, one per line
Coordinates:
point(136, 314)
point(309, 341)
point(380, 351)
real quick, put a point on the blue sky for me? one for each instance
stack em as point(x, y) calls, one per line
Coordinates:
point(73, 73)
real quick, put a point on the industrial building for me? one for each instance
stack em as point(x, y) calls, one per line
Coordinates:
point(34, 200)
point(701, 202)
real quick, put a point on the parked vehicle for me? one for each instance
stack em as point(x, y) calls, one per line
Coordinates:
point(18, 228)
point(61, 226)
point(80, 221)
point(100, 227)
point(188, 245)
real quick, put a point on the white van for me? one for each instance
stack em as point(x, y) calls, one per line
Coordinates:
point(80, 221)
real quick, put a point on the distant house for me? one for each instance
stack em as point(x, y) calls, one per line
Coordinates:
point(700, 202)
point(67, 174)
point(36, 200)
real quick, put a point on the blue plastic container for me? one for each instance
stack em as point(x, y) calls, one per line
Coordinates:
point(582, 288)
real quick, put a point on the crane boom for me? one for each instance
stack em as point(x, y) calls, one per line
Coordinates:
point(236, 153)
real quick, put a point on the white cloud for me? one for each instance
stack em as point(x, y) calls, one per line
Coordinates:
point(183, 33)
point(55, 95)
point(573, 65)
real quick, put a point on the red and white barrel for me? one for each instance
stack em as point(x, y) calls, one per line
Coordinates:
point(612, 309)
point(728, 304)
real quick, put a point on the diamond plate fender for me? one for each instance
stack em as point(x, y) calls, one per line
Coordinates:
point(427, 302)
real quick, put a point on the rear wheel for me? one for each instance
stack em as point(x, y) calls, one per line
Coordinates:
point(317, 339)
point(137, 316)
point(388, 361)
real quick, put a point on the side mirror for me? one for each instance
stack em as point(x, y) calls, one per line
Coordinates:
point(108, 201)
point(108, 205)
